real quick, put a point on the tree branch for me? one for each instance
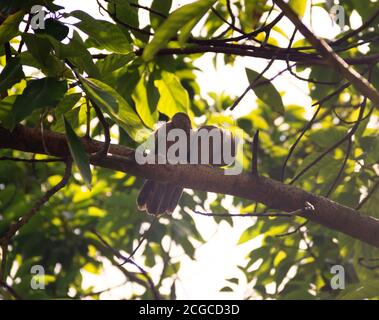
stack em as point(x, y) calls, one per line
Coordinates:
point(272, 193)
point(308, 208)
point(303, 58)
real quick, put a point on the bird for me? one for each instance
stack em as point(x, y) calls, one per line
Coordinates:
point(156, 197)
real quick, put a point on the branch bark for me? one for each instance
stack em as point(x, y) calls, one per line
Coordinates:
point(307, 59)
point(270, 192)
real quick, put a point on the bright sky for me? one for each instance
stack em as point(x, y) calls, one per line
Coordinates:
point(216, 260)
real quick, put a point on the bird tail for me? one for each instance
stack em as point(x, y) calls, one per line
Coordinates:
point(158, 197)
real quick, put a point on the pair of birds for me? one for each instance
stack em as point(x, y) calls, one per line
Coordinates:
point(157, 197)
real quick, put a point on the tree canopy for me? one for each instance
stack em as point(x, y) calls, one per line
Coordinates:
point(79, 93)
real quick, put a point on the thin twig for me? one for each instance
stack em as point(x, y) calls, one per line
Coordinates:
point(231, 25)
point(293, 147)
point(300, 77)
point(39, 203)
point(230, 11)
point(124, 24)
point(8, 51)
point(368, 196)
point(254, 150)
point(251, 35)
point(25, 31)
point(31, 160)
point(252, 85)
point(348, 136)
point(358, 30)
point(3, 265)
point(136, 5)
point(281, 235)
point(102, 153)
point(307, 209)
point(318, 103)
point(362, 263)
point(131, 261)
point(10, 290)
point(340, 172)
point(331, 148)
point(351, 122)
point(143, 238)
point(88, 118)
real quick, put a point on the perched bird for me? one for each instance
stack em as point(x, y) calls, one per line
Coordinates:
point(162, 197)
point(157, 197)
point(213, 152)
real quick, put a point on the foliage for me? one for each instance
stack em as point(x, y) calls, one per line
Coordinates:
point(53, 75)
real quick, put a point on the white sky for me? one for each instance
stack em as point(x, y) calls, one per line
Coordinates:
point(217, 259)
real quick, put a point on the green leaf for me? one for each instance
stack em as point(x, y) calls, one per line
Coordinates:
point(78, 153)
point(72, 116)
point(173, 97)
point(233, 280)
point(81, 57)
point(11, 74)
point(251, 12)
point(185, 31)
point(298, 6)
point(266, 93)
point(371, 205)
point(162, 7)
point(173, 24)
point(105, 34)
point(250, 233)
point(327, 165)
point(365, 290)
point(319, 91)
point(326, 137)
point(6, 117)
point(67, 103)
point(116, 106)
point(125, 12)
point(113, 62)
point(146, 98)
point(226, 289)
point(40, 93)
point(370, 145)
point(9, 27)
point(54, 28)
point(298, 294)
point(127, 82)
point(40, 48)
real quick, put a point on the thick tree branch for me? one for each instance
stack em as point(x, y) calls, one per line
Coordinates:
point(272, 193)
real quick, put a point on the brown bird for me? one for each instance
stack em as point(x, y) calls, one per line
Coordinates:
point(162, 197)
point(215, 151)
